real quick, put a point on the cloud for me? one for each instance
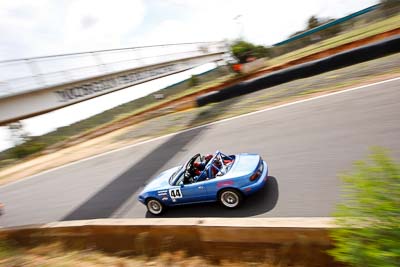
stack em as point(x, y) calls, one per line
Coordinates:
point(88, 22)
point(93, 24)
point(19, 23)
point(43, 27)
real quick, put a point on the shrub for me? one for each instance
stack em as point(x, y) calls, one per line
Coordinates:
point(26, 149)
point(369, 217)
point(243, 50)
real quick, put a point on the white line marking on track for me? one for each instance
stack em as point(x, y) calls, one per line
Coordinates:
point(205, 125)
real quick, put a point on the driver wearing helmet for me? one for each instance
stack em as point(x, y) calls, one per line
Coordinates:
point(199, 166)
point(207, 158)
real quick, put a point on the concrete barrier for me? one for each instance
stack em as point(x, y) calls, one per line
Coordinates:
point(290, 239)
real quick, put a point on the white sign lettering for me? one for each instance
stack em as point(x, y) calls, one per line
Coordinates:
point(92, 88)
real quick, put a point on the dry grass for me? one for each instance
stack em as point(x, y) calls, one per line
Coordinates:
point(55, 255)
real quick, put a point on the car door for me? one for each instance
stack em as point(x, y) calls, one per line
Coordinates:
point(188, 193)
point(196, 191)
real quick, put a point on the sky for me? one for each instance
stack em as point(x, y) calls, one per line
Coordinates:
point(44, 27)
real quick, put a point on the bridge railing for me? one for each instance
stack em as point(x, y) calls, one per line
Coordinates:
point(22, 75)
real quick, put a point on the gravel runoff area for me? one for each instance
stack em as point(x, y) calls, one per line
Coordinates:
point(367, 72)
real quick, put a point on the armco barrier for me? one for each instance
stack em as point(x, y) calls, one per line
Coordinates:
point(293, 240)
point(337, 61)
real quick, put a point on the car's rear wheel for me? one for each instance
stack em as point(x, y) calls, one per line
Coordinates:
point(154, 206)
point(230, 198)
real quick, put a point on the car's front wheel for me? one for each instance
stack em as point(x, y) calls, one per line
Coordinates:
point(154, 206)
point(230, 198)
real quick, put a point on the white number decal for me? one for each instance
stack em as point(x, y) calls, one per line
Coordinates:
point(175, 193)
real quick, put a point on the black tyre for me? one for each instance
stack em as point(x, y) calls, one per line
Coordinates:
point(154, 206)
point(230, 198)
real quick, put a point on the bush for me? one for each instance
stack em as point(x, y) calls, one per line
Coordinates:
point(390, 7)
point(26, 149)
point(369, 217)
point(243, 50)
point(194, 81)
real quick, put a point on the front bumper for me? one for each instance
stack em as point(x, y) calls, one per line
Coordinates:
point(141, 198)
point(254, 187)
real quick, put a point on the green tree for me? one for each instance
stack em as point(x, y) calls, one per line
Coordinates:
point(24, 144)
point(389, 3)
point(369, 217)
point(242, 50)
point(194, 81)
point(18, 133)
point(390, 7)
point(313, 22)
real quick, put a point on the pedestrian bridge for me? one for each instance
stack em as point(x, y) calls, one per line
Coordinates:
point(34, 86)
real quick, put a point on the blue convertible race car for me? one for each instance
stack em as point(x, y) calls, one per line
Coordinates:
point(210, 178)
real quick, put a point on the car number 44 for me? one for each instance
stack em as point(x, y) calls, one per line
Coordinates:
point(175, 193)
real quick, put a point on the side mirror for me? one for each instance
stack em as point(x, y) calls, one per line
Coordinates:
point(181, 184)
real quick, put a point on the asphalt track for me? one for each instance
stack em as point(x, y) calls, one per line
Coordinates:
point(306, 145)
